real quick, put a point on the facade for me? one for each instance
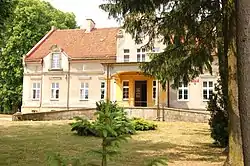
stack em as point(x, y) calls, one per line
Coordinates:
point(72, 69)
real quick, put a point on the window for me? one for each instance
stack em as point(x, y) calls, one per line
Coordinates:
point(36, 91)
point(126, 58)
point(154, 90)
point(183, 92)
point(141, 55)
point(55, 63)
point(103, 88)
point(126, 51)
point(84, 91)
point(126, 55)
point(55, 90)
point(125, 90)
point(207, 89)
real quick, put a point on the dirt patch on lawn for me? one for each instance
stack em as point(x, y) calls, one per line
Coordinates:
point(3, 123)
point(5, 116)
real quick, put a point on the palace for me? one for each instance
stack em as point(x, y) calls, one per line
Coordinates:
point(75, 68)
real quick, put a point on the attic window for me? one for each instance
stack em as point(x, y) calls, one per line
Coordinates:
point(56, 61)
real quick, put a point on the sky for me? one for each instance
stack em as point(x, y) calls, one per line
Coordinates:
point(84, 9)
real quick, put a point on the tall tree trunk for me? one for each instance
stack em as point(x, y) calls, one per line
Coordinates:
point(104, 152)
point(243, 48)
point(235, 156)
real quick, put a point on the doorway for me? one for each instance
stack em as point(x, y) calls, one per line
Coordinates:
point(141, 93)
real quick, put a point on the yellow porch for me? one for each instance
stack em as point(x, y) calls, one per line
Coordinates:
point(135, 89)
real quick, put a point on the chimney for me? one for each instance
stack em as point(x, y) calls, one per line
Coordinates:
point(90, 25)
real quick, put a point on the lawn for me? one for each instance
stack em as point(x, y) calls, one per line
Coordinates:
point(185, 144)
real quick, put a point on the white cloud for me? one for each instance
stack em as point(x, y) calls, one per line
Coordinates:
point(85, 9)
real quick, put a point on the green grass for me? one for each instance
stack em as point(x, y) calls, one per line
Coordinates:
point(28, 143)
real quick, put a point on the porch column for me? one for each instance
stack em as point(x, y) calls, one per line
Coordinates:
point(113, 89)
point(158, 99)
point(131, 93)
point(157, 93)
point(108, 83)
point(168, 95)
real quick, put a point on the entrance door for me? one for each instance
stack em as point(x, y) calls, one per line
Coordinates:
point(141, 93)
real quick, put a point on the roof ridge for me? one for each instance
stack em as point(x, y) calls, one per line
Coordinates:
point(109, 28)
point(70, 29)
point(85, 29)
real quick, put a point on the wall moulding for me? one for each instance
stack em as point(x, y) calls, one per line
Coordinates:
point(55, 78)
point(84, 78)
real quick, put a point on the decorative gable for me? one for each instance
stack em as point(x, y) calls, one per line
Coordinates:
point(55, 48)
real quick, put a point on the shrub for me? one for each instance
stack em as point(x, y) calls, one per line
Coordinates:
point(83, 127)
point(120, 123)
point(219, 118)
point(143, 125)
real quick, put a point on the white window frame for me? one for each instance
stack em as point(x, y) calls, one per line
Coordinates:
point(182, 88)
point(103, 89)
point(125, 87)
point(84, 88)
point(141, 53)
point(126, 54)
point(37, 90)
point(54, 89)
point(126, 58)
point(207, 88)
point(56, 63)
point(154, 88)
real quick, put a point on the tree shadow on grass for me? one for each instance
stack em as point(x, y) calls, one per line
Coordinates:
point(141, 151)
point(203, 132)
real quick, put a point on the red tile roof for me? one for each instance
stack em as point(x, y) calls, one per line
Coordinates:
point(76, 43)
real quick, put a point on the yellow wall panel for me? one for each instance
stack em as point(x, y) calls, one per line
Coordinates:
point(132, 77)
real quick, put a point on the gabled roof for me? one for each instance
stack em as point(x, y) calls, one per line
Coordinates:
point(77, 44)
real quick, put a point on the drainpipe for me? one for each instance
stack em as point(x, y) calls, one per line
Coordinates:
point(41, 90)
point(68, 84)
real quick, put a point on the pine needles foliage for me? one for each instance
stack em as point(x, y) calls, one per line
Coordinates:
point(219, 118)
point(113, 127)
point(83, 127)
